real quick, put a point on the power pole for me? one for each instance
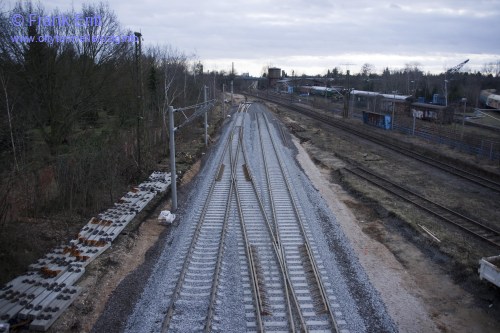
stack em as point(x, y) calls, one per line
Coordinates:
point(347, 98)
point(224, 101)
point(393, 109)
point(173, 174)
point(213, 97)
point(445, 91)
point(205, 115)
point(138, 94)
point(185, 84)
point(232, 92)
point(214, 87)
point(464, 100)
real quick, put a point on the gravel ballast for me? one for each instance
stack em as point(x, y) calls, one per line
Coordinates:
point(147, 292)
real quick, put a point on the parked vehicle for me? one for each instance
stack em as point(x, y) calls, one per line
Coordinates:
point(489, 269)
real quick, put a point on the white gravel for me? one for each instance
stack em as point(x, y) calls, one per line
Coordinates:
point(360, 305)
point(150, 310)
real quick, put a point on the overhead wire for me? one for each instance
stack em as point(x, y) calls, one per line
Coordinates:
point(200, 109)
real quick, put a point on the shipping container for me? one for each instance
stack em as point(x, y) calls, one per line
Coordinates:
point(377, 120)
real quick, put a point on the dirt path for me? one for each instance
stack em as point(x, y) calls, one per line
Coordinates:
point(418, 295)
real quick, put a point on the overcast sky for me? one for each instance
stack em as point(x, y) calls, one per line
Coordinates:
point(312, 36)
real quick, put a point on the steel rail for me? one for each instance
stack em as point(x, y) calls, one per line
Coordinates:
point(476, 179)
point(465, 223)
point(220, 252)
point(249, 254)
point(277, 251)
point(281, 253)
point(180, 280)
point(251, 264)
point(321, 287)
point(260, 309)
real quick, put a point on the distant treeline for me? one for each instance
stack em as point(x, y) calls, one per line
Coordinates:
point(412, 80)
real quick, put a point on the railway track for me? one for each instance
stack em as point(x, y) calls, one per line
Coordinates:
point(265, 277)
point(464, 174)
point(298, 254)
point(197, 285)
point(284, 284)
point(469, 225)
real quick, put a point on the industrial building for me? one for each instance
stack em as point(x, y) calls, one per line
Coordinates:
point(401, 105)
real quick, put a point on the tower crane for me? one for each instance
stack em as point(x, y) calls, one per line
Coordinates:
point(451, 71)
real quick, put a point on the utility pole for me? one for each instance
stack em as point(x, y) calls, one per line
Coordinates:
point(214, 87)
point(445, 91)
point(205, 115)
point(463, 117)
point(408, 81)
point(185, 84)
point(232, 92)
point(224, 101)
point(413, 127)
point(347, 98)
point(393, 109)
point(173, 173)
point(138, 94)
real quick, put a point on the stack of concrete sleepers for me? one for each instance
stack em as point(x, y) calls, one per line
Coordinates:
point(46, 290)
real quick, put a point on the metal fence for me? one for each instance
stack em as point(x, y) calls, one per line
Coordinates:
point(483, 147)
point(474, 144)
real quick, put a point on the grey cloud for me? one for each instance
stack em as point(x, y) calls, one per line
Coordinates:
point(266, 29)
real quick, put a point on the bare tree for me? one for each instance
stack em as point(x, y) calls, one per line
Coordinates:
point(367, 69)
point(9, 107)
point(491, 68)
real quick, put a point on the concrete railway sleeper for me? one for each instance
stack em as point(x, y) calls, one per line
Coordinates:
point(292, 236)
point(269, 272)
point(202, 260)
point(255, 281)
point(282, 282)
point(215, 282)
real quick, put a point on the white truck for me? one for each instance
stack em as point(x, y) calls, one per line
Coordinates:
point(4, 327)
point(489, 269)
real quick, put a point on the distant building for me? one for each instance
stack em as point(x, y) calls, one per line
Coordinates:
point(273, 75)
point(401, 105)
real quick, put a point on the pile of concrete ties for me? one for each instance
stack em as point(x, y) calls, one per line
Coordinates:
point(43, 293)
